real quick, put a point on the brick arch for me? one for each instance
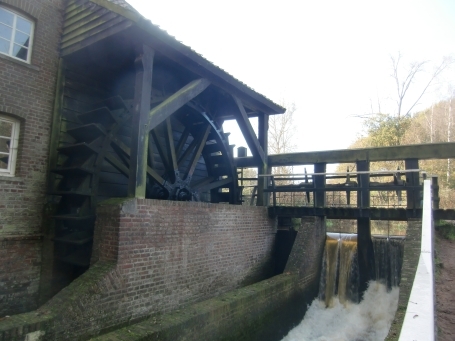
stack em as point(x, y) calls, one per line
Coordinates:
point(24, 6)
point(13, 112)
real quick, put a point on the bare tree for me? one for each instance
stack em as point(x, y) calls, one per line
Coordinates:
point(282, 131)
point(404, 83)
point(281, 135)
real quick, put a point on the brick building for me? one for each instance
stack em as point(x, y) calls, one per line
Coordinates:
point(62, 152)
point(29, 52)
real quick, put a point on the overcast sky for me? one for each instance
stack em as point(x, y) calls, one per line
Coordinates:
point(331, 58)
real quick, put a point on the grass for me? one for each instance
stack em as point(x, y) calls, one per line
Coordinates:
point(446, 229)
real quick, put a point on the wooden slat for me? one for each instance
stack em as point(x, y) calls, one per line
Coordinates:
point(83, 19)
point(102, 32)
point(88, 28)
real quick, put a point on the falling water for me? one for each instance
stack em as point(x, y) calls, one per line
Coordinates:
point(337, 314)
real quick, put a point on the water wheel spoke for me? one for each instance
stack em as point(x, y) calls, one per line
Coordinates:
point(118, 164)
point(170, 148)
point(160, 149)
point(150, 155)
point(216, 184)
point(198, 151)
point(124, 170)
point(182, 141)
point(201, 183)
point(154, 174)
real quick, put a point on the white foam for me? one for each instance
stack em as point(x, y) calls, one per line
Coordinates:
point(369, 320)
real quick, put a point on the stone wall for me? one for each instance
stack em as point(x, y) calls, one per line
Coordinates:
point(27, 94)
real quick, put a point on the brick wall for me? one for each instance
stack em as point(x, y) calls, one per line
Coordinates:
point(27, 94)
point(306, 255)
point(167, 255)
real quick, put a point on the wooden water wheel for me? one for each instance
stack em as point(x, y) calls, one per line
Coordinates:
point(189, 159)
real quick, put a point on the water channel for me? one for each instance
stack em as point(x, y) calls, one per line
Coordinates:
point(341, 313)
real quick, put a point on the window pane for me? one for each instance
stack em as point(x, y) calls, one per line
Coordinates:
point(21, 38)
point(4, 46)
point(6, 129)
point(20, 52)
point(5, 32)
point(4, 146)
point(6, 17)
point(4, 161)
point(24, 25)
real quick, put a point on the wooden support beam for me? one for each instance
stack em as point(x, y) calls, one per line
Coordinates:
point(412, 179)
point(248, 132)
point(263, 128)
point(365, 250)
point(319, 184)
point(140, 133)
point(176, 101)
point(394, 214)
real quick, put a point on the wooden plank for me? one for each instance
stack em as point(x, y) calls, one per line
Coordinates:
point(443, 150)
point(176, 101)
point(248, 132)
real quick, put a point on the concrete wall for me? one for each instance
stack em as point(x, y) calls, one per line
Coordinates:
point(411, 256)
point(151, 257)
point(27, 94)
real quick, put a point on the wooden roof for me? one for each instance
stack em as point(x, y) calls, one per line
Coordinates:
point(90, 21)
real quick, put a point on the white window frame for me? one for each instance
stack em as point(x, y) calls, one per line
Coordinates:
point(14, 138)
point(14, 30)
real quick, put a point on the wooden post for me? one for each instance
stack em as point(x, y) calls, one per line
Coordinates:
point(140, 132)
point(412, 179)
point(435, 192)
point(319, 183)
point(365, 249)
point(263, 198)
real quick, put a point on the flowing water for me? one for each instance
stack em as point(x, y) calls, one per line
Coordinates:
point(337, 315)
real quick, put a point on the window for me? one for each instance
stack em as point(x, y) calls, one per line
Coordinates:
point(16, 34)
point(9, 137)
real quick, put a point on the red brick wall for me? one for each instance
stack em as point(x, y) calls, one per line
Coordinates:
point(173, 253)
point(168, 254)
point(27, 93)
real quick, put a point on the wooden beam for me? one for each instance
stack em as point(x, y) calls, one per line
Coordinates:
point(412, 179)
point(56, 123)
point(140, 134)
point(248, 132)
point(176, 101)
point(263, 129)
point(394, 214)
point(445, 150)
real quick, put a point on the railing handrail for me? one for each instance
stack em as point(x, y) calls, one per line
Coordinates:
point(350, 173)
